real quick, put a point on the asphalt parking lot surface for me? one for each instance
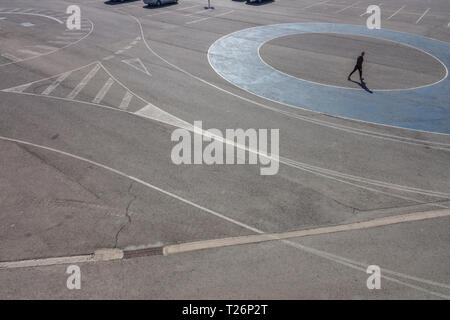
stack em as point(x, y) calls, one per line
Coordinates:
point(85, 137)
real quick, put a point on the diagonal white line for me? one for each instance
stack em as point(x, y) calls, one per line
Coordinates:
point(83, 82)
point(56, 83)
point(126, 101)
point(423, 15)
point(396, 12)
point(103, 91)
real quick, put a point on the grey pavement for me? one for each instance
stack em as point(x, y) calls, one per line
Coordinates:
point(68, 151)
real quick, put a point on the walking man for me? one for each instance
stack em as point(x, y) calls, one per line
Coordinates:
point(358, 67)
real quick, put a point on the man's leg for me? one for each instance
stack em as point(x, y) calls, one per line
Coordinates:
point(360, 74)
point(356, 68)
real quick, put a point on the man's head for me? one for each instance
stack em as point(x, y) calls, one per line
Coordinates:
point(363, 53)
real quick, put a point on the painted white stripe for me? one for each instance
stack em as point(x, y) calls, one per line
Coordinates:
point(108, 57)
point(128, 47)
point(315, 4)
point(56, 83)
point(27, 24)
point(423, 15)
point(119, 52)
point(11, 57)
point(126, 101)
point(217, 15)
point(15, 10)
point(348, 7)
point(396, 12)
point(233, 241)
point(83, 82)
point(18, 89)
point(103, 91)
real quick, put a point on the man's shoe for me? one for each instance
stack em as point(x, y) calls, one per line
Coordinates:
point(349, 79)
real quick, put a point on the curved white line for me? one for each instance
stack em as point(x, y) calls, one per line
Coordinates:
point(349, 88)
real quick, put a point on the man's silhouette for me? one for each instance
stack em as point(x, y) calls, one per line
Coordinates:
point(358, 67)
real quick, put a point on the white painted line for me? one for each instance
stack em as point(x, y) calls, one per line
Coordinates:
point(2, 18)
point(137, 64)
point(119, 52)
point(423, 15)
point(101, 94)
point(233, 241)
point(108, 57)
point(15, 10)
point(18, 89)
point(126, 101)
point(83, 82)
point(348, 7)
point(315, 4)
point(56, 83)
point(11, 57)
point(27, 24)
point(128, 47)
point(217, 15)
point(448, 26)
point(396, 12)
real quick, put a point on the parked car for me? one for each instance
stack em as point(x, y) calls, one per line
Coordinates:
point(158, 2)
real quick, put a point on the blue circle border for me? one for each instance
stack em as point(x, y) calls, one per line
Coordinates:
point(235, 57)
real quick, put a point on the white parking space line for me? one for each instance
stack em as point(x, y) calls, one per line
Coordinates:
point(2, 18)
point(348, 7)
point(217, 15)
point(56, 83)
point(396, 12)
point(103, 91)
point(126, 101)
point(315, 4)
point(83, 82)
point(423, 15)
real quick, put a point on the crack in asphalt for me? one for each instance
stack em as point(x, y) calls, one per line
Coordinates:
point(127, 214)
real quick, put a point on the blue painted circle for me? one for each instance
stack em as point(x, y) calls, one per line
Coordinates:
point(235, 57)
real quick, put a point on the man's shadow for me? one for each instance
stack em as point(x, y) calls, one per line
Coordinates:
point(362, 84)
